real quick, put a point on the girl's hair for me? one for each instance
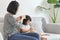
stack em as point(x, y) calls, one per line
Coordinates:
point(28, 17)
point(25, 20)
point(12, 7)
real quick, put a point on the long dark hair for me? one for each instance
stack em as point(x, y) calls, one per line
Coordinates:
point(12, 7)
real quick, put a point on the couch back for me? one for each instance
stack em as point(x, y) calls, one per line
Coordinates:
point(36, 22)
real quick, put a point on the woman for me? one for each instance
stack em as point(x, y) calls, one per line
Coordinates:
point(10, 23)
point(11, 26)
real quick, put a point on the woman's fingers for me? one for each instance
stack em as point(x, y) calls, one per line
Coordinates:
point(21, 17)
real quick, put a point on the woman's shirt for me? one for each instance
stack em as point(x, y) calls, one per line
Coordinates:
point(10, 25)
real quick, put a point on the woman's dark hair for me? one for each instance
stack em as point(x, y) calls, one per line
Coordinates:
point(28, 17)
point(12, 7)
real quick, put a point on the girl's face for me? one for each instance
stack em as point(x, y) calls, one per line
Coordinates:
point(28, 22)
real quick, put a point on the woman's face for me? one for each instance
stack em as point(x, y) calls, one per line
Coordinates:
point(28, 22)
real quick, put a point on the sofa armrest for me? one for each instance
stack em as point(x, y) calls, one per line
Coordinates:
point(1, 37)
point(53, 28)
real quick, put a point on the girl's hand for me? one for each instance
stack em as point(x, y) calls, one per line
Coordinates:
point(25, 30)
point(19, 30)
point(32, 29)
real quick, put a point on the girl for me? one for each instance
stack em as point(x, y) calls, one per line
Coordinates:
point(27, 29)
point(26, 25)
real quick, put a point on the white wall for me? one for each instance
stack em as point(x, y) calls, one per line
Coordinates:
point(26, 6)
point(46, 5)
point(3, 6)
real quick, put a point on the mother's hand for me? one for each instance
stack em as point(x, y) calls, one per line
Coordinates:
point(20, 18)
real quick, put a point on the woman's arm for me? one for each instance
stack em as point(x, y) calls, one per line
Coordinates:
point(13, 22)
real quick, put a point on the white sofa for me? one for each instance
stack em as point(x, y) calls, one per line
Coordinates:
point(1, 28)
point(1, 25)
point(1, 37)
point(50, 27)
point(41, 26)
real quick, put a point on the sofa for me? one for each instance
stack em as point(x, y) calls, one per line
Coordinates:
point(1, 37)
point(1, 28)
point(50, 27)
point(40, 25)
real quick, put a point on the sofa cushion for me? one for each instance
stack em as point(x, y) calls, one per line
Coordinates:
point(1, 28)
point(1, 20)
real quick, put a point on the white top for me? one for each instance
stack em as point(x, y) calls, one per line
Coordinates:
point(27, 27)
